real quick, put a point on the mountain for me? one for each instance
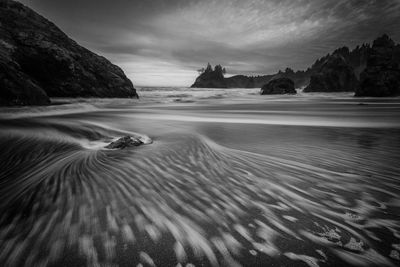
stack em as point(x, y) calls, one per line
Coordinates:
point(38, 61)
point(359, 70)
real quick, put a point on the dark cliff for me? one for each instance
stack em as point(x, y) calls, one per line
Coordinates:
point(38, 61)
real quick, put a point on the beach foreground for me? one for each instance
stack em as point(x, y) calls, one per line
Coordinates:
point(231, 178)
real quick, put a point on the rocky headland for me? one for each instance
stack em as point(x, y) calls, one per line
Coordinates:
point(38, 61)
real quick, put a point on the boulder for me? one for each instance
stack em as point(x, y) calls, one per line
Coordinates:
point(382, 75)
point(38, 61)
point(123, 142)
point(278, 86)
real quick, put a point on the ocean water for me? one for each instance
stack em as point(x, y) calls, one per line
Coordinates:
point(231, 178)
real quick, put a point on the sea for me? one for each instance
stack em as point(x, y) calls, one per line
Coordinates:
point(227, 177)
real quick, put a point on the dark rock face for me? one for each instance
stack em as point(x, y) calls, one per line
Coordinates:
point(123, 142)
point(17, 88)
point(37, 58)
point(278, 86)
point(334, 75)
point(382, 75)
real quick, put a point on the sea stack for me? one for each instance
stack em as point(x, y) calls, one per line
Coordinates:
point(210, 78)
point(278, 86)
point(382, 74)
point(38, 61)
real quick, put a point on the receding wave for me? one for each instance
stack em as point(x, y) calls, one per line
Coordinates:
point(183, 200)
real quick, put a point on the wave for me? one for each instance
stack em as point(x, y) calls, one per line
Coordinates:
point(184, 199)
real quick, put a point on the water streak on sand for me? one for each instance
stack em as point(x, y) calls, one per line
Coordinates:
point(194, 198)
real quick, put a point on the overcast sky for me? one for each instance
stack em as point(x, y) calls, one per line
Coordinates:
point(164, 42)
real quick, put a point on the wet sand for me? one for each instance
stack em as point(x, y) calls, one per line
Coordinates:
point(231, 179)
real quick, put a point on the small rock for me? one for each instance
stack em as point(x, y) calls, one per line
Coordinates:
point(123, 142)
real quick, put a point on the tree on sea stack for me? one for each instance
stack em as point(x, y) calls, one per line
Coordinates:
point(219, 71)
point(208, 68)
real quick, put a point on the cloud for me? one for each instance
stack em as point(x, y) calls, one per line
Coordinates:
point(161, 42)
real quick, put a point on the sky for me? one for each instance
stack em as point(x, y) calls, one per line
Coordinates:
point(165, 42)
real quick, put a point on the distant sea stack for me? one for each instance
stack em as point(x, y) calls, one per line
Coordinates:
point(365, 70)
point(38, 61)
point(278, 86)
point(210, 78)
point(382, 74)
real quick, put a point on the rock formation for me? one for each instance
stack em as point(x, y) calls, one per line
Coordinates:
point(211, 78)
point(352, 61)
point(334, 75)
point(123, 142)
point(208, 78)
point(38, 61)
point(382, 74)
point(278, 86)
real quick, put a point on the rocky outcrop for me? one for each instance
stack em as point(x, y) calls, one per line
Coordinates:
point(211, 78)
point(382, 74)
point(334, 75)
point(37, 61)
point(278, 86)
point(355, 59)
point(123, 142)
